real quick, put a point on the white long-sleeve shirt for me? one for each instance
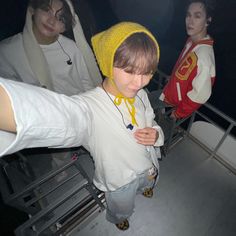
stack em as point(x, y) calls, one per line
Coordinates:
point(91, 119)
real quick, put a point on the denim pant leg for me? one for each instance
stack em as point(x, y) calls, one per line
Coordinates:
point(145, 182)
point(120, 203)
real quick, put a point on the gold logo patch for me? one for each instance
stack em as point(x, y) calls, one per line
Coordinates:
point(186, 66)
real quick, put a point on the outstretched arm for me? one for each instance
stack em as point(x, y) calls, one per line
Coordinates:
point(35, 117)
point(7, 121)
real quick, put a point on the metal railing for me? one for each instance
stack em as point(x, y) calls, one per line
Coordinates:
point(226, 131)
point(205, 112)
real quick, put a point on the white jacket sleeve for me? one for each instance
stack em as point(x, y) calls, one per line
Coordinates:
point(202, 84)
point(44, 119)
point(10, 51)
point(6, 69)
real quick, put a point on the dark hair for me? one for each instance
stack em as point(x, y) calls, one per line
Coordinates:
point(137, 54)
point(209, 6)
point(66, 15)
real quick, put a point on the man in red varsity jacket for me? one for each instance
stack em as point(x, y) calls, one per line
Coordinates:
point(193, 76)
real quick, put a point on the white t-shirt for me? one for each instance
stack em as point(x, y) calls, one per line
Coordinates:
point(91, 119)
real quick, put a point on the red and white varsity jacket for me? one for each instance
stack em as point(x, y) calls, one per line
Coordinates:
point(192, 78)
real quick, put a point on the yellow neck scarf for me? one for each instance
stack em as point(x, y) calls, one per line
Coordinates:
point(129, 103)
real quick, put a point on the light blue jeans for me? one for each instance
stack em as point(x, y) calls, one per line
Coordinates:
point(120, 203)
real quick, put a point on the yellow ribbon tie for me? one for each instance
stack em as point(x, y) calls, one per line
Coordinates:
point(129, 103)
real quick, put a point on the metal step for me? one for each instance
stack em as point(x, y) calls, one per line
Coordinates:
point(52, 205)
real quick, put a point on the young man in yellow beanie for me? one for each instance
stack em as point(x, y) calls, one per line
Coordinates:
point(114, 122)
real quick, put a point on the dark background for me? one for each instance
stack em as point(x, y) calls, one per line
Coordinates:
point(165, 19)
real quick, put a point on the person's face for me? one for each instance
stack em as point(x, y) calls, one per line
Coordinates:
point(129, 84)
point(48, 23)
point(196, 21)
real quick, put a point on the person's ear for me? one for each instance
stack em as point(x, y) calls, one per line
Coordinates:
point(208, 21)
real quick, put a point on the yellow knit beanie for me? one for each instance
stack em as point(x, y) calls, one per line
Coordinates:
point(107, 42)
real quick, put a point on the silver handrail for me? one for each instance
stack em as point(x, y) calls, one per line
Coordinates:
point(161, 76)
